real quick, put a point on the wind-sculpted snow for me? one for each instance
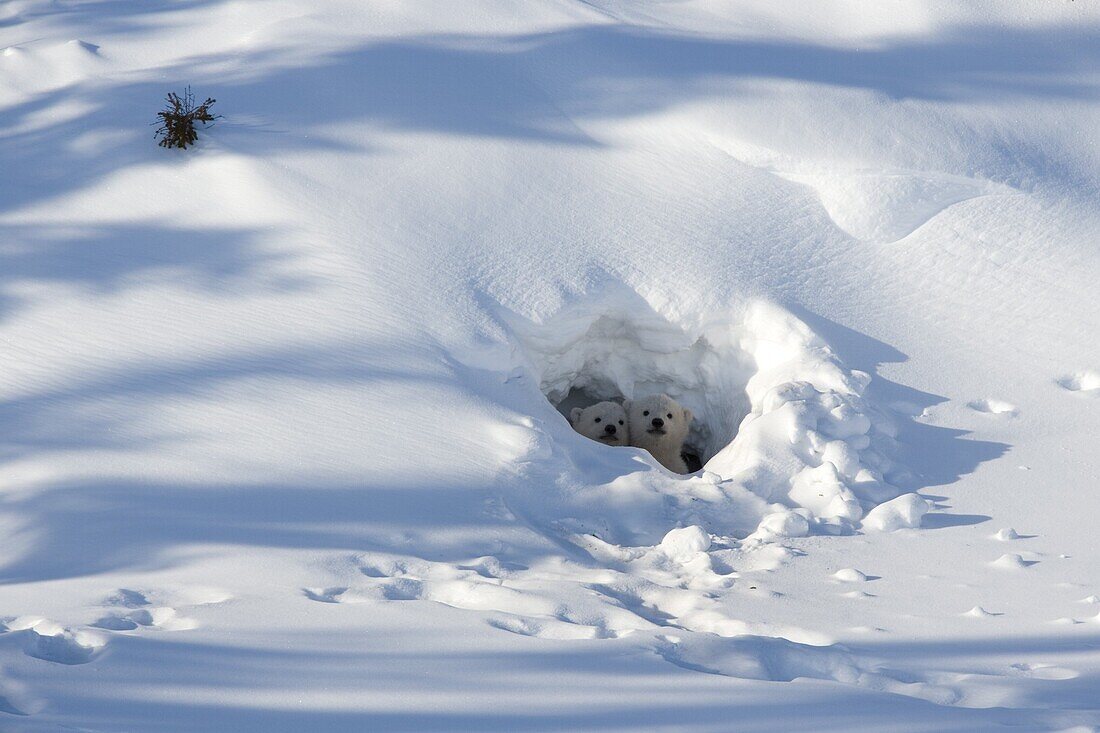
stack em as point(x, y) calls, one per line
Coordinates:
point(283, 435)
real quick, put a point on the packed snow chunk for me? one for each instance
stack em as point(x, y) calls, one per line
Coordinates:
point(906, 511)
point(979, 612)
point(843, 458)
point(786, 393)
point(1007, 534)
point(822, 491)
point(844, 421)
point(686, 543)
point(1066, 621)
point(1010, 561)
point(850, 575)
point(787, 523)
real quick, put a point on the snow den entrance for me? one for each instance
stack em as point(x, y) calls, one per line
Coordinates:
point(618, 347)
point(619, 357)
point(776, 413)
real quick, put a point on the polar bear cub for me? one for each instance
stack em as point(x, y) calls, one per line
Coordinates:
point(604, 421)
point(659, 424)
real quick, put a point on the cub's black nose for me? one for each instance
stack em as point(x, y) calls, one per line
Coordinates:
point(610, 429)
point(658, 422)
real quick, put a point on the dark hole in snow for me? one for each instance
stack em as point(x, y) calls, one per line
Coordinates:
point(627, 353)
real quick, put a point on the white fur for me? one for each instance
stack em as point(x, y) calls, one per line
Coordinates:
point(666, 441)
point(593, 422)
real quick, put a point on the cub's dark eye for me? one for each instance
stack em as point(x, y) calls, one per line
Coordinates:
point(620, 422)
point(598, 419)
point(645, 414)
point(669, 416)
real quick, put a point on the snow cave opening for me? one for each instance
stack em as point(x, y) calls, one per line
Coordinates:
point(617, 355)
point(778, 418)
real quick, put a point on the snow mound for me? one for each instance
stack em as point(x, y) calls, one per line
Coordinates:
point(1011, 561)
point(686, 543)
point(900, 513)
point(850, 575)
point(780, 423)
point(42, 65)
point(979, 612)
point(785, 523)
point(888, 206)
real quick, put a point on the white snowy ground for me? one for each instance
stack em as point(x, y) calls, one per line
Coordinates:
point(275, 453)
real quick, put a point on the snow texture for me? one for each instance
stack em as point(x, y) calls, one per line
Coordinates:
point(284, 435)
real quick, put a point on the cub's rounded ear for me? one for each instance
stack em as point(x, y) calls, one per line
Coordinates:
point(626, 405)
point(687, 415)
point(575, 414)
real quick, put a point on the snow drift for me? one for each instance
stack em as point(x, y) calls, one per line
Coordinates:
point(281, 433)
point(780, 422)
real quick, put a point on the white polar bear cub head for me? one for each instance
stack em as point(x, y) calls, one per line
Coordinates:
point(604, 421)
point(659, 424)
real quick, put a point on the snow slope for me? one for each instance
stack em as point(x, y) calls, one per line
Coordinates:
point(281, 441)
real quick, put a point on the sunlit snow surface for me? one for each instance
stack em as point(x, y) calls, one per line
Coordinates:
point(281, 432)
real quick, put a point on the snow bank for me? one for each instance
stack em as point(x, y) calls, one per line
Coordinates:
point(780, 422)
point(267, 440)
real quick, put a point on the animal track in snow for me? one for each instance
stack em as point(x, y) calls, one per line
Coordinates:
point(662, 598)
point(524, 604)
point(126, 598)
point(858, 594)
point(161, 618)
point(141, 612)
point(760, 658)
point(555, 629)
point(49, 641)
point(6, 706)
point(115, 623)
point(325, 595)
point(52, 642)
point(1087, 382)
point(1042, 671)
point(568, 603)
point(994, 407)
